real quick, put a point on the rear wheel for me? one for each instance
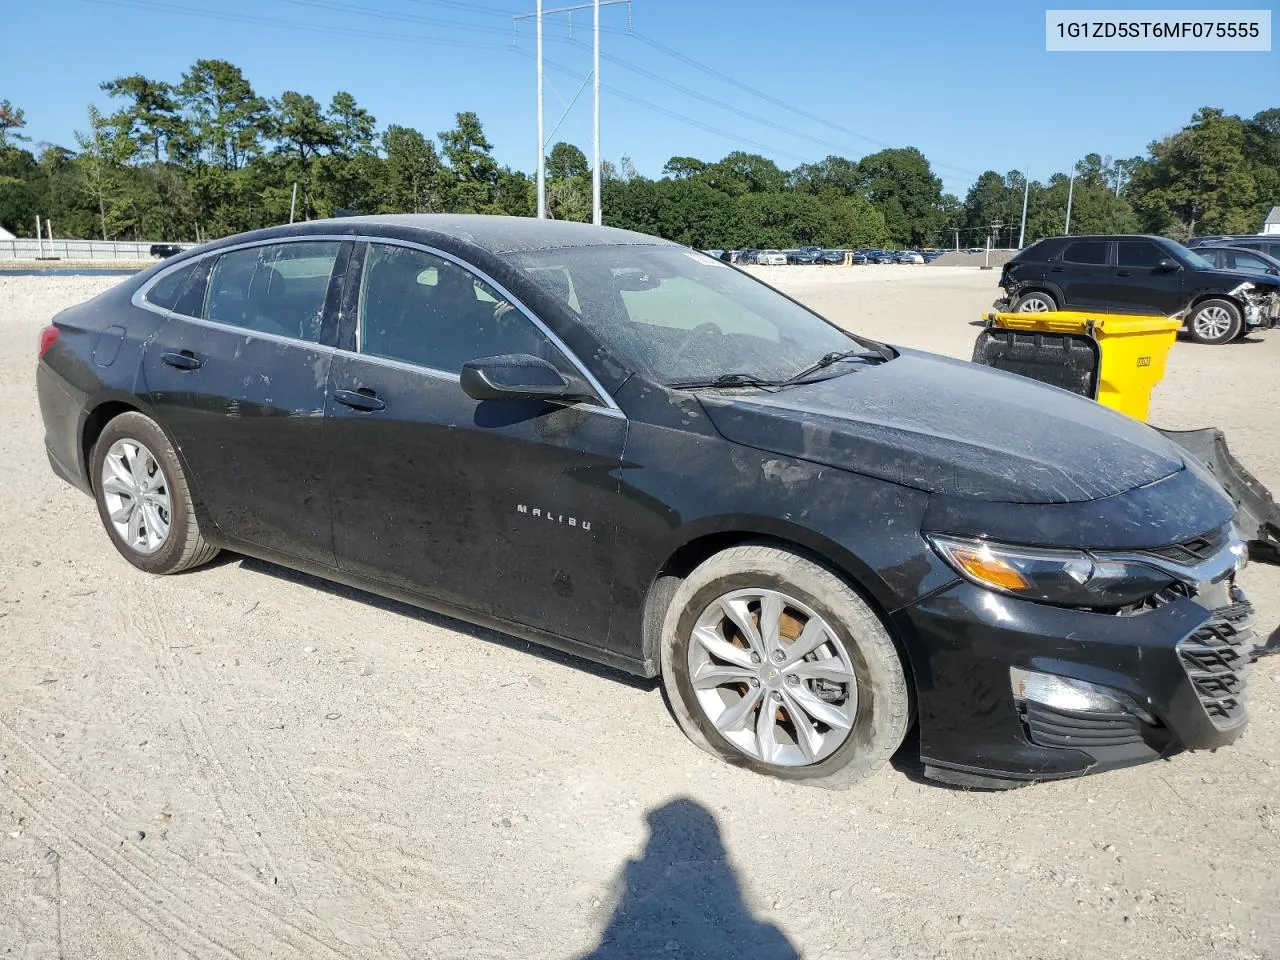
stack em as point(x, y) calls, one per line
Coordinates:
point(1035, 302)
point(143, 498)
point(773, 663)
point(1214, 322)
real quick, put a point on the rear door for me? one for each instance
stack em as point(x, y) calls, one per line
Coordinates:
point(1084, 273)
point(240, 387)
point(1140, 284)
point(503, 507)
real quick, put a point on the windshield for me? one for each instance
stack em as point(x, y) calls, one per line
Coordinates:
point(678, 316)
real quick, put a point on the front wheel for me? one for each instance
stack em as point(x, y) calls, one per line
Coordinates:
point(143, 497)
point(1035, 302)
point(1215, 322)
point(773, 663)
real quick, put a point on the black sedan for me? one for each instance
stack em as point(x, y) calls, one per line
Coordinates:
point(621, 448)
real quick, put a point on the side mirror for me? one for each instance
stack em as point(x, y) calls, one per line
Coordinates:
point(516, 376)
point(1168, 265)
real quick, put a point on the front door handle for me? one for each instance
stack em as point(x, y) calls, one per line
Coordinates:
point(1055, 269)
point(362, 399)
point(1123, 273)
point(183, 360)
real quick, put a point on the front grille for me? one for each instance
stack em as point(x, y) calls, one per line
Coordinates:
point(1196, 550)
point(1050, 727)
point(1217, 658)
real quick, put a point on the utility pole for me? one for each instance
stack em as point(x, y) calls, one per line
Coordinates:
point(293, 201)
point(956, 231)
point(1066, 230)
point(542, 147)
point(1026, 191)
point(596, 215)
point(594, 6)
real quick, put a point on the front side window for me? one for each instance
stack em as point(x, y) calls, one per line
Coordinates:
point(1086, 251)
point(277, 288)
point(1138, 254)
point(422, 309)
point(680, 316)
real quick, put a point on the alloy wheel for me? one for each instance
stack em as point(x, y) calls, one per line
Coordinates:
point(136, 493)
point(772, 677)
point(1035, 305)
point(1213, 322)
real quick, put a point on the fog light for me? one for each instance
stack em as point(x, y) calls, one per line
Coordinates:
point(1065, 693)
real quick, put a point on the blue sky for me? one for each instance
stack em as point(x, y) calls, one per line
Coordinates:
point(969, 83)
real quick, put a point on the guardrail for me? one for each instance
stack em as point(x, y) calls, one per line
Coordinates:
point(106, 250)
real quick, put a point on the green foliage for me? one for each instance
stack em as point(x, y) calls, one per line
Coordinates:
point(208, 156)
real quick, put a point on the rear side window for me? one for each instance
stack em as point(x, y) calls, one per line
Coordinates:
point(1138, 253)
point(172, 291)
point(277, 288)
point(1086, 251)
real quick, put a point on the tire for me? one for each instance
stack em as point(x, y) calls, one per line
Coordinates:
point(137, 447)
point(1037, 301)
point(1214, 322)
point(876, 703)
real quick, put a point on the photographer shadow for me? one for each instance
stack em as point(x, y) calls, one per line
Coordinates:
point(681, 898)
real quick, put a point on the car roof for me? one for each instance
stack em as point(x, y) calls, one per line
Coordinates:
point(494, 234)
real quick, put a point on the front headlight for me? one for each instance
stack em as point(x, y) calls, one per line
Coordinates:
point(1072, 578)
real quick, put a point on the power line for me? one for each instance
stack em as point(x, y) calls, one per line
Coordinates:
point(649, 105)
point(391, 15)
point(763, 95)
point(151, 5)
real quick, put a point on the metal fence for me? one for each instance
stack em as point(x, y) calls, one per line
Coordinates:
point(104, 250)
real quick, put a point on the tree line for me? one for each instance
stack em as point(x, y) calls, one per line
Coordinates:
point(207, 155)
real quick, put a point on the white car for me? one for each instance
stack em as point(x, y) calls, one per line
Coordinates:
point(771, 258)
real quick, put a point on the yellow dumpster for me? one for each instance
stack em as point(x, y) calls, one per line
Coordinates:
point(1130, 352)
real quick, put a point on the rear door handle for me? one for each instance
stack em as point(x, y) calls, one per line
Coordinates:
point(183, 360)
point(1055, 269)
point(1123, 273)
point(362, 399)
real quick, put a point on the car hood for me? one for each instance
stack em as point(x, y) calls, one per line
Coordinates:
point(951, 427)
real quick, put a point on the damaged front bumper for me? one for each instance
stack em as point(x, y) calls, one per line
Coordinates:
point(1150, 684)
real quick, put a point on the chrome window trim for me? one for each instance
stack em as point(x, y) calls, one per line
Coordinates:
point(139, 300)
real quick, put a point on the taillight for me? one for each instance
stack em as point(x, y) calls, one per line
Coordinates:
point(48, 336)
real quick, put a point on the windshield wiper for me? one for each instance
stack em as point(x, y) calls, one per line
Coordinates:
point(726, 380)
point(831, 359)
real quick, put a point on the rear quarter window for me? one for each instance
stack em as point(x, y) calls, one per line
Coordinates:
point(180, 290)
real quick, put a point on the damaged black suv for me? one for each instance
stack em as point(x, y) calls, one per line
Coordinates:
point(1139, 274)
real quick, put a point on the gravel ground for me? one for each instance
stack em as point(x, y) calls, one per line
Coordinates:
point(245, 762)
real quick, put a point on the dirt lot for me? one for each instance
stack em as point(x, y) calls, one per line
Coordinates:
point(243, 762)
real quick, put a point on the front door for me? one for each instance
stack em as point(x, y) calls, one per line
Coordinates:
point(1141, 285)
point(503, 507)
point(241, 390)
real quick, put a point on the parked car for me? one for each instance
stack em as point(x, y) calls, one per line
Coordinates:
point(1262, 242)
point(976, 250)
point(860, 256)
point(1270, 245)
point(804, 257)
point(910, 256)
point(1240, 259)
point(165, 250)
point(831, 257)
point(883, 256)
point(592, 440)
point(746, 256)
point(771, 258)
point(1139, 274)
